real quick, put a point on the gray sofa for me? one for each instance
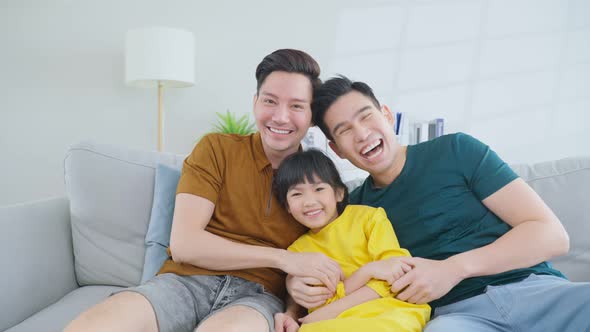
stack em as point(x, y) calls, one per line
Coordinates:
point(65, 254)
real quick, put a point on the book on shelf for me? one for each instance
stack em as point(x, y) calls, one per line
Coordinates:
point(418, 131)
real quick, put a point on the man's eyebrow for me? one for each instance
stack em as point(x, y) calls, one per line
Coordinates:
point(298, 100)
point(269, 94)
point(363, 109)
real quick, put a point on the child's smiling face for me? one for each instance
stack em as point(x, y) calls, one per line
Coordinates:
point(314, 205)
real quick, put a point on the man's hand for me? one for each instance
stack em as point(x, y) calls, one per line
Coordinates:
point(308, 292)
point(427, 281)
point(390, 269)
point(314, 265)
point(285, 323)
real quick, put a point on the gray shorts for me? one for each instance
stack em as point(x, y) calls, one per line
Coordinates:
point(181, 303)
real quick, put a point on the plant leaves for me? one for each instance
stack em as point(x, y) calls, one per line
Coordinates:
point(228, 123)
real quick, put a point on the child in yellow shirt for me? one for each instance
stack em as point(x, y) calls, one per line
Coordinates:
point(309, 186)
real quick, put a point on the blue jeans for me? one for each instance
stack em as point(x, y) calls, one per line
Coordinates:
point(537, 303)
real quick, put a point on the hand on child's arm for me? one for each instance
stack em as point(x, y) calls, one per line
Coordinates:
point(428, 280)
point(308, 292)
point(315, 265)
point(390, 269)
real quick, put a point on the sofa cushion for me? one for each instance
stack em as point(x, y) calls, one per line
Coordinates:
point(158, 234)
point(55, 317)
point(110, 190)
point(565, 186)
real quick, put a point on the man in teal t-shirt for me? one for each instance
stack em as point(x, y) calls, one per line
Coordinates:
point(480, 236)
point(437, 208)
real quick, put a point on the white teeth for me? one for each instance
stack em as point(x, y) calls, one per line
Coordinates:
point(312, 213)
point(279, 131)
point(371, 147)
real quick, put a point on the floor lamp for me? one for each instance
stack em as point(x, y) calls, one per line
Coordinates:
point(159, 57)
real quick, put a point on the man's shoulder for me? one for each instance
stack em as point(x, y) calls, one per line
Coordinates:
point(447, 140)
point(227, 144)
point(445, 148)
point(228, 140)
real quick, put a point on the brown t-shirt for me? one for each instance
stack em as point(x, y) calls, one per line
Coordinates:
point(233, 172)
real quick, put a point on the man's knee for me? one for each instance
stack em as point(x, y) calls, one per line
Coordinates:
point(126, 311)
point(233, 319)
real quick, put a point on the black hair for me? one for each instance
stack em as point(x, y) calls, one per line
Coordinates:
point(290, 61)
point(307, 166)
point(326, 94)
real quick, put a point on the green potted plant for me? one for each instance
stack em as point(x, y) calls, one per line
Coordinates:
point(229, 123)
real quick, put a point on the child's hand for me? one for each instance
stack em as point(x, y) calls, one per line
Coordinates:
point(285, 323)
point(389, 269)
point(315, 316)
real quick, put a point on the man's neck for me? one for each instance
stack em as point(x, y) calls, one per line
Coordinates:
point(384, 179)
point(277, 157)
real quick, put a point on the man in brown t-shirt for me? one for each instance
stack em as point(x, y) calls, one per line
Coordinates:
point(228, 259)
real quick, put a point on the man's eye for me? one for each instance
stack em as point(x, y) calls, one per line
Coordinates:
point(367, 116)
point(344, 131)
point(269, 101)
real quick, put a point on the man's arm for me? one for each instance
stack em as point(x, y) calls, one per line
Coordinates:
point(191, 243)
point(537, 235)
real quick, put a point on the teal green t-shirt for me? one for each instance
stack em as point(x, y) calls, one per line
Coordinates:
point(435, 206)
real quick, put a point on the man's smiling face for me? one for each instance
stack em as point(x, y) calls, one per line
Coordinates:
point(283, 112)
point(362, 133)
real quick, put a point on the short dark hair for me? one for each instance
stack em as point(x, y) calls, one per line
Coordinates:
point(290, 61)
point(326, 94)
point(307, 165)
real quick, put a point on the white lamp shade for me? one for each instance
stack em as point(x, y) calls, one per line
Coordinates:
point(159, 54)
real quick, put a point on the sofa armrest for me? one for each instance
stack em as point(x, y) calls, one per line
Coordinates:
point(36, 253)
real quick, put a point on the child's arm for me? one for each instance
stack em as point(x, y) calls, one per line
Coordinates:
point(356, 290)
point(396, 267)
point(335, 308)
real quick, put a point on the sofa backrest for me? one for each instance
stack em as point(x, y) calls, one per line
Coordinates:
point(110, 191)
point(565, 186)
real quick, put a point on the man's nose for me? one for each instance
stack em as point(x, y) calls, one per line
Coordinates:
point(361, 133)
point(281, 114)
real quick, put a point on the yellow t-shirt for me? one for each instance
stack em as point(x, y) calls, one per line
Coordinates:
point(363, 234)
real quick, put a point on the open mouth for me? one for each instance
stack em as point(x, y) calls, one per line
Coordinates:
point(312, 213)
point(373, 149)
point(280, 131)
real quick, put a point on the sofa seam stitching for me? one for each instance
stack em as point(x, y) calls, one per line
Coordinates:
point(554, 175)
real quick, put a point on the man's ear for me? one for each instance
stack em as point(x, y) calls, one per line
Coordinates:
point(254, 99)
point(388, 115)
point(335, 148)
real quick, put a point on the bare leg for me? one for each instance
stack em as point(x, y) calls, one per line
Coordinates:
point(237, 318)
point(126, 311)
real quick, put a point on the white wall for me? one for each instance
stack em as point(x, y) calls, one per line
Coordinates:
point(514, 73)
